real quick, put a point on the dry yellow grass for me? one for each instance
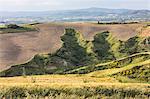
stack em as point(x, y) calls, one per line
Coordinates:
point(61, 79)
point(62, 86)
point(64, 81)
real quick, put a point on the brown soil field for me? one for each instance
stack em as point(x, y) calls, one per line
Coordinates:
point(145, 32)
point(16, 48)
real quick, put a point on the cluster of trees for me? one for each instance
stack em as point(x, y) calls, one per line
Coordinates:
point(116, 22)
point(76, 49)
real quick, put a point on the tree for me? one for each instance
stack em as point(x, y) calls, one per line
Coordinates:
point(75, 48)
point(13, 26)
point(102, 46)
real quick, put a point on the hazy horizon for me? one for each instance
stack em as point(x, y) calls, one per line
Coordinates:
point(48, 5)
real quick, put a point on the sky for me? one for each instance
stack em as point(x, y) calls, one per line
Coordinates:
point(46, 5)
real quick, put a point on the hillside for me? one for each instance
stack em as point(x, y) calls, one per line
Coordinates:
point(17, 48)
point(77, 52)
point(105, 67)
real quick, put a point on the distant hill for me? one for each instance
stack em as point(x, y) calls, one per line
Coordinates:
point(89, 14)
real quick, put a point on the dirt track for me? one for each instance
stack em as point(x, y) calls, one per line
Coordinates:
point(17, 48)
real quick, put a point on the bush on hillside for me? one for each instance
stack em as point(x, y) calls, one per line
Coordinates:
point(13, 26)
point(102, 46)
point(76, 49)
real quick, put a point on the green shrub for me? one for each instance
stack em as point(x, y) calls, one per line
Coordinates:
point(13, 26)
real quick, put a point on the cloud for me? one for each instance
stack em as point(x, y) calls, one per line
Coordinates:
point(28, 4)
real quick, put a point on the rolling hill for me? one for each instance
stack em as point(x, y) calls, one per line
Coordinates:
point(17, 48)
point(76, 52)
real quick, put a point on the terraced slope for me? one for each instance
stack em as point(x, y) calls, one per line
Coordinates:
point(137, 70)
point(123, 62)
point(128, 68)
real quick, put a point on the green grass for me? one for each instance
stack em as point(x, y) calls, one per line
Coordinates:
point(113, 64)
point(23, 28)
point(2, 26)
point(129, 69)
point(109, 72)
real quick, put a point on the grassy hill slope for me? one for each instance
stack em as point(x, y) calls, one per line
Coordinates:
point(77, 52)
point(13, 28)
point(18, 48)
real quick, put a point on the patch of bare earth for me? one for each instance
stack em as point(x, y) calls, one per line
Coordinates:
point(145, 32)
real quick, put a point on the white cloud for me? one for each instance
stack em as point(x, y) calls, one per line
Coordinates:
point(28, 4)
